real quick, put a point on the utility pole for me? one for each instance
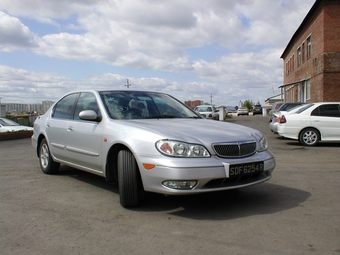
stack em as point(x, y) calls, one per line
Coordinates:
point(211, 96)
point(127, 83)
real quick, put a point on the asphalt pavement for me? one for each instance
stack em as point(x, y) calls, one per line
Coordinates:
point(73, 212)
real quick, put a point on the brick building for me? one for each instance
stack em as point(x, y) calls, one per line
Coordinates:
point(193, 104)
point(312, 57)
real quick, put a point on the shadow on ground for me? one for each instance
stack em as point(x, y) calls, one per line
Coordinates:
point(265, 198)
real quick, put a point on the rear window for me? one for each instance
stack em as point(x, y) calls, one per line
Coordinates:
point(304, 108)
point(287, 106)
point(295, 107)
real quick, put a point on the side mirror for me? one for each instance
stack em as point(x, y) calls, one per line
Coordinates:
point(89, 115)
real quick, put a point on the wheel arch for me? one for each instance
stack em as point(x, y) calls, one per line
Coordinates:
point(40, 138)
point(111, 167)
point(311, 127)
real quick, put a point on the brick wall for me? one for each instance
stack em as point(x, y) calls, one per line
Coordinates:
point(323, 66)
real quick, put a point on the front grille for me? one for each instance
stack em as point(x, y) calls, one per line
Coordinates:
point(236, 181)
point(232, 150)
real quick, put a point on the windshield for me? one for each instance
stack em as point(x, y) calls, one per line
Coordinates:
point(6, 122)
point(204, 109)
point(144, 105)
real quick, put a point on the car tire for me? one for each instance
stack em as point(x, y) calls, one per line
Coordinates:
point(129, 181)
point(309, 137)
point(47, 164)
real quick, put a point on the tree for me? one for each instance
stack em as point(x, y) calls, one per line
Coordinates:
point(248, 104)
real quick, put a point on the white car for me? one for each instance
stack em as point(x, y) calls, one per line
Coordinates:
point(7, 125)
point(208, 112)
point(277, 115)
point(312, 123)
point(242, 111)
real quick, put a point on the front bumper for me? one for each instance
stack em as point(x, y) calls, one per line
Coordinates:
point(209, 173)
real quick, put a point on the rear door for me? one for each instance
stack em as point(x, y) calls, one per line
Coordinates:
point(56, 126)
point(326, 118)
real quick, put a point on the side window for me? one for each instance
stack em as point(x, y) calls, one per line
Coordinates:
point(86, 101)
point(329, 110)
point(64, 108)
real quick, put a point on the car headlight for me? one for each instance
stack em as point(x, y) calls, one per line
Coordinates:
point(181, 149)
point(263, 144)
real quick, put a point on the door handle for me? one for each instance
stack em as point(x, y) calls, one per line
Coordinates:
point(70, 128)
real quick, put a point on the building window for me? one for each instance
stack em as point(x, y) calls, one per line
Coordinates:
point(299, 53)
point(308, 89)
point(309, 47)
point(303, 52)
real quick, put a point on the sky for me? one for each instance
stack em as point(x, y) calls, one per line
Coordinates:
point(217, 51)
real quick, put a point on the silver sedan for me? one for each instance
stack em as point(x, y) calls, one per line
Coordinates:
point(147, 141)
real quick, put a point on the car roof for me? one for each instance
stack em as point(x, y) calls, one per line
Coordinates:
point(113, 90)
point(201, 106)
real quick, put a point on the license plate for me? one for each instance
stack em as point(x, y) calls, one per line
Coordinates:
point(244, 169)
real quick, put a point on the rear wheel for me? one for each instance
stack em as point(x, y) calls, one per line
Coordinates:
point(47, 164)
point(309, 137)
point(129, 181)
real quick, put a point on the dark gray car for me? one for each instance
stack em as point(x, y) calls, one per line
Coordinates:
point(257, 109)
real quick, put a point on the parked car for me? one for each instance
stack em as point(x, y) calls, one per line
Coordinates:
point(148, 141)
point(289, 105)
point(257, 109)
point(242, 111)
point(231, 109)
point(275, 107)
point(277, 115)
point(7, 125)
point(208, 112)
point(312, 123)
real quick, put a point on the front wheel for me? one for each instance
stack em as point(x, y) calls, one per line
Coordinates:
point(47, 164)
point(309, 137)
point(129, 181)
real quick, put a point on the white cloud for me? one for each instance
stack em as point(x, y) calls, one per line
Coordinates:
point(14, 35)
point(156, 35)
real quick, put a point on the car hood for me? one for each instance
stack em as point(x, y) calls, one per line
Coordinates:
point(198, 130)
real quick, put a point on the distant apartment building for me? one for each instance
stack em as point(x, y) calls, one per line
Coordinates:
point(46, 105)
point(34, 108)
point(22, 108)
point(312, 56)
point(16, 108)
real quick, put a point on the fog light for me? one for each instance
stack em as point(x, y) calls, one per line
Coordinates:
point(180, 184)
